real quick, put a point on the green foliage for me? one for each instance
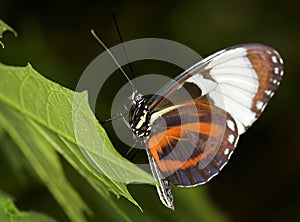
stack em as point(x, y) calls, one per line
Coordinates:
point(44, 119)
point(9, 213)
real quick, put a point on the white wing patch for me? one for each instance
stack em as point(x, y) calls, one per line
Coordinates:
point(205, 85)
point(240, 80)
point(231, 85)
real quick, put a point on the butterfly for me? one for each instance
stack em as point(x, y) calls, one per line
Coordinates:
point(191, 126)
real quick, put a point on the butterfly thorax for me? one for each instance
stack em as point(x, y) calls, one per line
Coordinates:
point(139, 118)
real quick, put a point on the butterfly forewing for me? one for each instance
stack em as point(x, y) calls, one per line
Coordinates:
point(246, 81)
point(240, 80)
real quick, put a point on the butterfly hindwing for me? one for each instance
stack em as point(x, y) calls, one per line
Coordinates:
point(191, 143)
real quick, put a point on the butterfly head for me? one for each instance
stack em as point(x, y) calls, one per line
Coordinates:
point(139, 117)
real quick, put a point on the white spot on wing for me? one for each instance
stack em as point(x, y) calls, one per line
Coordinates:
point(226, 151)
point(230, 125)
point(231, 138)
point(268, 92)
point(276, 70)
point(281, 73)
point(274, 59)
point(259, 105)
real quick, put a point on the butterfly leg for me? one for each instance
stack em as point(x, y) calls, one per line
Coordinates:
point(116, 117)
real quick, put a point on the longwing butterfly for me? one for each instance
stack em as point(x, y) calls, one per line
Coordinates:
point(192, 125)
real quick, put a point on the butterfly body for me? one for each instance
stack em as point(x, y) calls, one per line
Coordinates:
point(139, 118)
point(192, 125)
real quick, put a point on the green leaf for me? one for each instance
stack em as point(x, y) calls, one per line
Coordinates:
point(68, 115)
point(9, 213)
point(44, 118)
point(4, 27)
point(41, 115)
point(44, 160)
point(16, 160)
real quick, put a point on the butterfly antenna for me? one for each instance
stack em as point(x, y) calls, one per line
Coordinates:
point(112, 56)
point(121, 40)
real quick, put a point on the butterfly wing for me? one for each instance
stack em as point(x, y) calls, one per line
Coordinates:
point(193, 149)
point(240, 80)
point(197, 118)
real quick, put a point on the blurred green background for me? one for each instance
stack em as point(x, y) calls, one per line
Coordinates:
point(261, 182)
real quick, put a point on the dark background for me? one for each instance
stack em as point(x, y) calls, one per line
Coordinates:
point(261, 182)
